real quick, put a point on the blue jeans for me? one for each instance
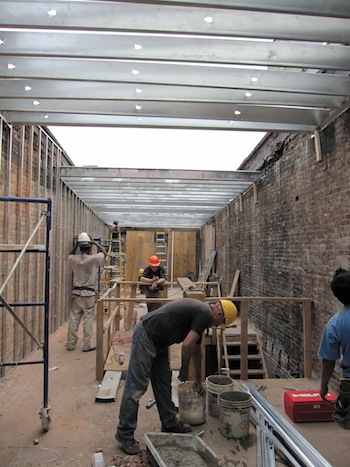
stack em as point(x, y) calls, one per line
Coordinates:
point(147, 363)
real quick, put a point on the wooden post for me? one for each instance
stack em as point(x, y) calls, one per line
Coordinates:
point(244, 340)
point(129, 315)
point(99, 341)
point(307, 339)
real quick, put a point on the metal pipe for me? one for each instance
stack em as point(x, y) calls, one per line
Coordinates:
point(304, 450)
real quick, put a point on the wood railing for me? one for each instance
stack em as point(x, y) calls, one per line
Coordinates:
point(110, 304)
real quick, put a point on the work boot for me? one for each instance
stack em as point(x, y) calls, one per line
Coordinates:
point(179, 428)
point(130, 446)
point(89, 349)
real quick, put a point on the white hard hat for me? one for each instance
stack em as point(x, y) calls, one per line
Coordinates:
point(83, 238)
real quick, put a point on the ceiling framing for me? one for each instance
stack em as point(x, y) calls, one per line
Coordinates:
point(277, 65)
point(165, 199)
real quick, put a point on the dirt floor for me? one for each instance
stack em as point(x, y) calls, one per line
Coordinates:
point(81, 427)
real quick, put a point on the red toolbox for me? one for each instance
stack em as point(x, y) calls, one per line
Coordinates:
point(308, 406)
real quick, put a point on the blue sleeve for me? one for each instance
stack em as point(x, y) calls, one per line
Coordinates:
point(329, 348)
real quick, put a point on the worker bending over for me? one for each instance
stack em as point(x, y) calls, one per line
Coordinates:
point(182, 320)
point(153, 277)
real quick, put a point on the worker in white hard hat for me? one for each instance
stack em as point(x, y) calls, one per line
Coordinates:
point(182, 320)
point(153, 276)
point(85, 266)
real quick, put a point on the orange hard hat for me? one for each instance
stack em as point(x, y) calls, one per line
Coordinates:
point(154, 261)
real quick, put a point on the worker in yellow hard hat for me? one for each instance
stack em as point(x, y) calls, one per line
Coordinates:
point(183, 320)
point(230, 312)
point(153, 276)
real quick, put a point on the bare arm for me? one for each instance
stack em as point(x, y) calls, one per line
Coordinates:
point(190, 349)
point(74, 249)
point(99, 247)
point(327, 371)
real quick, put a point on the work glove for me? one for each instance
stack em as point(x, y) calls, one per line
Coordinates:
point(197, 386)
point(183, 374)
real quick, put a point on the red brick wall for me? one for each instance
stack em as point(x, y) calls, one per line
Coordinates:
point(291, 241)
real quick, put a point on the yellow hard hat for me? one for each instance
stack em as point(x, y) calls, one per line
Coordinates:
point(230, 311)
point(141, 272)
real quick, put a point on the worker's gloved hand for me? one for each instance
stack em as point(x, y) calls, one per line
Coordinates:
point(183, 374)
point(197, 386)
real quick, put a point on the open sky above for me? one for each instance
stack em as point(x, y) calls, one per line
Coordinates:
point(156, 148)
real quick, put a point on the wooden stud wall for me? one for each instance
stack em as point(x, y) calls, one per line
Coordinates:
point(30, 161)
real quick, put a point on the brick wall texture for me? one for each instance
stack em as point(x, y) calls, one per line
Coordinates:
point(290, 242)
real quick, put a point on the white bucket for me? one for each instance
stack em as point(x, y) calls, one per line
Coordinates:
point(215, 385)
point(234, 414)
point(192, 406)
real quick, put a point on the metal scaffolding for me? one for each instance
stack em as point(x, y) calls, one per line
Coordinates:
point(29, 247)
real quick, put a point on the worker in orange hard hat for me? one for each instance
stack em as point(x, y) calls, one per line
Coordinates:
point(153, 277)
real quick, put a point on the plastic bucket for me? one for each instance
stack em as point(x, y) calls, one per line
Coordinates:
point(234, 414)
point(192, 408)
point(215, 385)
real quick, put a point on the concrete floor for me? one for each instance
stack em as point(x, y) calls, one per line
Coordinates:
point(80, 426)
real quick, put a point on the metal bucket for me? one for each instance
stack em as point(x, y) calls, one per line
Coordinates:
point(215, 385)
point(192, 408)
point(234, 414)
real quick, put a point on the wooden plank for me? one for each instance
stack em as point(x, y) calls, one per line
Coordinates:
point(109, 387)
point(203, 276)
point(234, 283)
point(190, 290)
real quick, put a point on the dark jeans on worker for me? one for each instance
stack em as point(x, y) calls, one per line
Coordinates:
point(147, 362)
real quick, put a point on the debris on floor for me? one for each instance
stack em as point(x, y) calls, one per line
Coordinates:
point(137, 460)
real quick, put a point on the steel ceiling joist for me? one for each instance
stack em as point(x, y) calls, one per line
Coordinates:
point(277, 65)
point(136, 63)
point(140, 198)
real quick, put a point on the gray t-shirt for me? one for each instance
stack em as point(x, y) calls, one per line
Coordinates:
point(172, 322)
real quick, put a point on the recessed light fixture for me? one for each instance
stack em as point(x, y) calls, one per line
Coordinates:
point(237, 112)
point(248, 94)
point(46, 116)
point(1, 41)
point(138, 90)
point(27, 88)
point(232, 122)
point(36, 102)
point(138, 107)
point(137, 46)
point(254, 79)
point(139, 119)
point(52, 12)
point(135, 72)
point(11, 66)
point(209, 19)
